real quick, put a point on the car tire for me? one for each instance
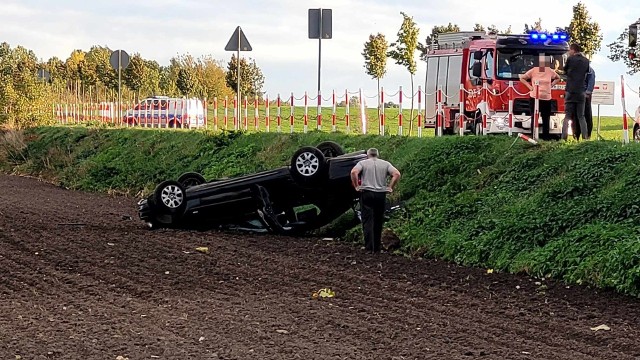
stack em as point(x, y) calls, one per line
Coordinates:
point(190, 179)
point(308, 166)
point(170, 197)
point(330, 149)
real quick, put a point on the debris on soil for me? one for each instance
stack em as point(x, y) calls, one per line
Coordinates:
point(203, 249)
point(282, 331)
point(323, 293)
point(201, 339)
point(390, 241)
point(122, 358)
point(72, 224)
point(489, 271)
point(601, 327)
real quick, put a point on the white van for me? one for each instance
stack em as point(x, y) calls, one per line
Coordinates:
point(163, 111)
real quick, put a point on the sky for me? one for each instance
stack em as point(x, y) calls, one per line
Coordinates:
point(277, 31)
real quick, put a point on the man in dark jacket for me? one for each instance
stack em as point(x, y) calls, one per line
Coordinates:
point(589, 84)
point(576, 69)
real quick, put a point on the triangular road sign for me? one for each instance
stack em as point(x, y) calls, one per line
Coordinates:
point(238, 38)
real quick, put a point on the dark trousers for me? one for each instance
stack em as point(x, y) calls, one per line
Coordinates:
point(372, 205)
point(588, 115)
point(545, 114)
point(574, 110)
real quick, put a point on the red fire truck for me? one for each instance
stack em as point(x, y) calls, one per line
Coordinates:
point(485, 65)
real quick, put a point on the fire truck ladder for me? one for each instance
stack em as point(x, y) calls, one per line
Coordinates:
point(457, 40)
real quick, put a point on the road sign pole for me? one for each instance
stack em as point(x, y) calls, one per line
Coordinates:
point(319, 50)
point(119, 84)
point(238, 82)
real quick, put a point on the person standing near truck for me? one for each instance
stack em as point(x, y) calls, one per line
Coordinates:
point(373, 172)
point(576, 69)
point(546, 78)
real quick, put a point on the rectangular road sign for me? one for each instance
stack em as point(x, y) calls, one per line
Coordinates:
point(316, 17)
point(603, 93)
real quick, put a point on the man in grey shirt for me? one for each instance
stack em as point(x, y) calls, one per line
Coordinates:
point(373, 189)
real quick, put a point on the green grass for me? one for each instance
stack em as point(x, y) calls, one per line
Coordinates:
point(563, 209)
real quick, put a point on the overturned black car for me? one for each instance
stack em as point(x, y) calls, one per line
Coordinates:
point(310, 193)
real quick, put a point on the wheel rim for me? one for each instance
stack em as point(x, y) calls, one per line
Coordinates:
point(172, 196)
point(307, 164)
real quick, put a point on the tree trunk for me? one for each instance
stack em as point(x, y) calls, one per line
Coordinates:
point(411, 116)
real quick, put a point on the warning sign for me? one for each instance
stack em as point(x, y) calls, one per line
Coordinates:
point(603, 93)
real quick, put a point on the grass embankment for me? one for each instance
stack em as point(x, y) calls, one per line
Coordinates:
point(561, 210)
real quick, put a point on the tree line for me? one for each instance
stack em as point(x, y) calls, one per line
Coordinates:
point(87, 76)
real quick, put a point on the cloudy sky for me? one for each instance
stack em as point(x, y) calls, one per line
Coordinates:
point(277, 31)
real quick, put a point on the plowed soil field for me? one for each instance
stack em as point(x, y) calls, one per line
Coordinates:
point(82, 278)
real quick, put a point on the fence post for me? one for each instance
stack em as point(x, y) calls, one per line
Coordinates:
point(235, 113)
point(381, 107)
point(510, 95)
point(255, 112)
point(246, 113)
point(319, 115)
point(625, 124)
point(205, 117)
point(535, 119)
point(306, 112)
point(292, 116)
point(485, 92)
point(279, 115)
point(439, 112)
point(226, 114)
point(419, 111)
point(400, 132)
point(363, 115)
point(346, 115)
point(266, 112)
point(215, 113)
point(333, 111)
point(461, 116)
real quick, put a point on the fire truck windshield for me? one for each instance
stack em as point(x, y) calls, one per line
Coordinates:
point(510, 64)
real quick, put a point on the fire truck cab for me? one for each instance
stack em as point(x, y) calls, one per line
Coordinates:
point(477, 60)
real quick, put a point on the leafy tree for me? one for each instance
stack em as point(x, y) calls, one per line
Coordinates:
point(134, 75)
point(583, 31)
point(478, 27)
point(433, 38)
point(375, 59)
point(251, 78)
point(619, 51)
point(403, 52)
point(98, 57)
point(492, 29)
point(212, 78)
point(24, 99)
point(187, 81)
point(536, 27)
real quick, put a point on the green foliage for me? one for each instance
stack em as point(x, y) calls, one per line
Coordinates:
point(186, 81)
point(583, 31)
point(375, 56)
point(404, 49)
point(433, 38)
point(251, 78)
point(558, 210)
point(24, 99)
point(619, 50)
point(135, 73)
point(478, 27)
point(536, 27)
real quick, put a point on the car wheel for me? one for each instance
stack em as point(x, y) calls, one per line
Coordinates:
point(330, 149)
point(308, 165)
point(191, 179)
point(170, 196)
